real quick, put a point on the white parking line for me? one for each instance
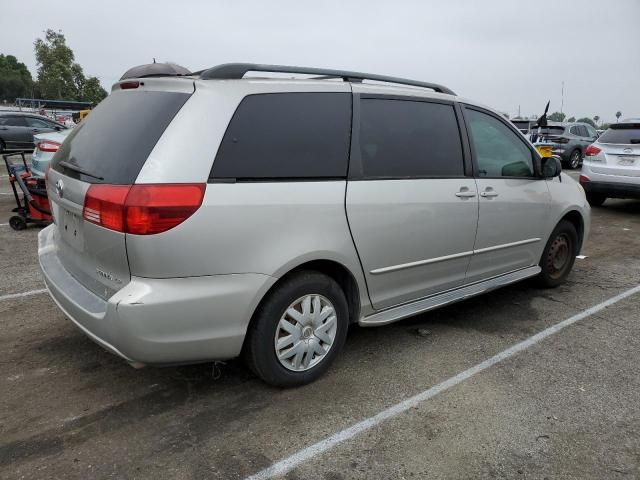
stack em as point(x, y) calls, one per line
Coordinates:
point(23, 294)
point(287, 464)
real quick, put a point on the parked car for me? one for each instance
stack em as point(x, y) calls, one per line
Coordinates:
point(204, 216)
point(570, 140)
point(611, 166)
point(46, 145)
point(17, 129)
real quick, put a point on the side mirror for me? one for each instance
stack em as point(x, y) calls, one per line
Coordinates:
point(551, 167)
point(57, 128)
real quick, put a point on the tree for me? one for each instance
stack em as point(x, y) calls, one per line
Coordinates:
point(587, 120)
point(596, 118)
point(59, 77)
point(618, 115)
point(15, 79)
point(557, 117)
point(571, 119)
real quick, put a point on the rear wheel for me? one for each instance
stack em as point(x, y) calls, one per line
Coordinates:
point(595, 199)
point(298, 330)
point(559, 255)
point(575, 158)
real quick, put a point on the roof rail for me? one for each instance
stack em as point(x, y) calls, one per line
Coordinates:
point(230, 71)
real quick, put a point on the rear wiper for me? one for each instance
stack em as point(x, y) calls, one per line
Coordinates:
point(75, 168)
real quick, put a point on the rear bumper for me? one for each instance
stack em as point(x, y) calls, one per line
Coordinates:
point(615, 186)
point(159, 321)
point(613, 190)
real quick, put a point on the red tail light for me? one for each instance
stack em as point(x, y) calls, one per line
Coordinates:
point(142, 209)
point(130, 84)
point(583, 179)
point(48, 146)
point(592, 150)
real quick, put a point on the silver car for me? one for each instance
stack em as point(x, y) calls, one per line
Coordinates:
point(208, 215)
point(611, 167)
point(46, 145)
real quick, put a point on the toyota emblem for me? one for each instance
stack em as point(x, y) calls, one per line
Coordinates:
point(628, 150)
point(60, 188)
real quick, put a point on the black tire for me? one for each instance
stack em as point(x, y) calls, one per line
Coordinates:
point(575, 159)
point(559, 255)
point(2, 146)
point(259, 348)
point(17, 223)
point(596, 199)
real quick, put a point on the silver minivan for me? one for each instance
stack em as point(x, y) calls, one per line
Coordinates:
point(210, 215)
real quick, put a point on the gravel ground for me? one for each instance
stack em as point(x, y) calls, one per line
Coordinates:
point(568, 407)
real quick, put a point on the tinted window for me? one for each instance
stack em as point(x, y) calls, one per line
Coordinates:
point(575, 130)
point(623, 134)
point(400, 138)
point(37, 123)
point(498, 150)
point(591, 132)
point(13, 121)
point(287, 135)
point(551, 130)
point(115, 140)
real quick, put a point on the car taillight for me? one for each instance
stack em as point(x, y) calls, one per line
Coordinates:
point(592, 150)
point(583, 179)
point(142, 209)
point(48, 146)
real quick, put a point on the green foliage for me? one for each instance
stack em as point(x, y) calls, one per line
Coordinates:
point(556, 117)
point(588, 120)
point(15, 79)
point(571, 119)
point(59, 77)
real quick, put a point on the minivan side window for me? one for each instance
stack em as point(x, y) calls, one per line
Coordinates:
point(409, 139)
point(286, 136)
point(499, 152)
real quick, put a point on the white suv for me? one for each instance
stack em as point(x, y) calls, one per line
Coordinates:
point(202, 216)
point(611, 167)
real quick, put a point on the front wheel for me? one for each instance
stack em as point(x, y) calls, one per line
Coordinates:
point(559, 255)
point(298, 330)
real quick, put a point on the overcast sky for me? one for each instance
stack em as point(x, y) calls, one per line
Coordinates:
point(503, 53)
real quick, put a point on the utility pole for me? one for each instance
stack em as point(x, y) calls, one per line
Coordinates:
point(562, 101)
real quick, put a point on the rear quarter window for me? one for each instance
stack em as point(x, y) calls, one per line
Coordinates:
point(113, 143)
point(286, 136)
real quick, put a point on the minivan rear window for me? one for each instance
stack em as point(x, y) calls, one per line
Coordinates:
point(113, 142)
point(626, 134)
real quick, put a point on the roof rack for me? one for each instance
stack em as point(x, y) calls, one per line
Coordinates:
point(231, 71)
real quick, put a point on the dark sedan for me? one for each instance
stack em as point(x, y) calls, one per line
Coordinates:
point(17, 129)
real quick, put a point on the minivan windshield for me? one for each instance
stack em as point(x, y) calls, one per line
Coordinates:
point(113, 142)
point(622, 133)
